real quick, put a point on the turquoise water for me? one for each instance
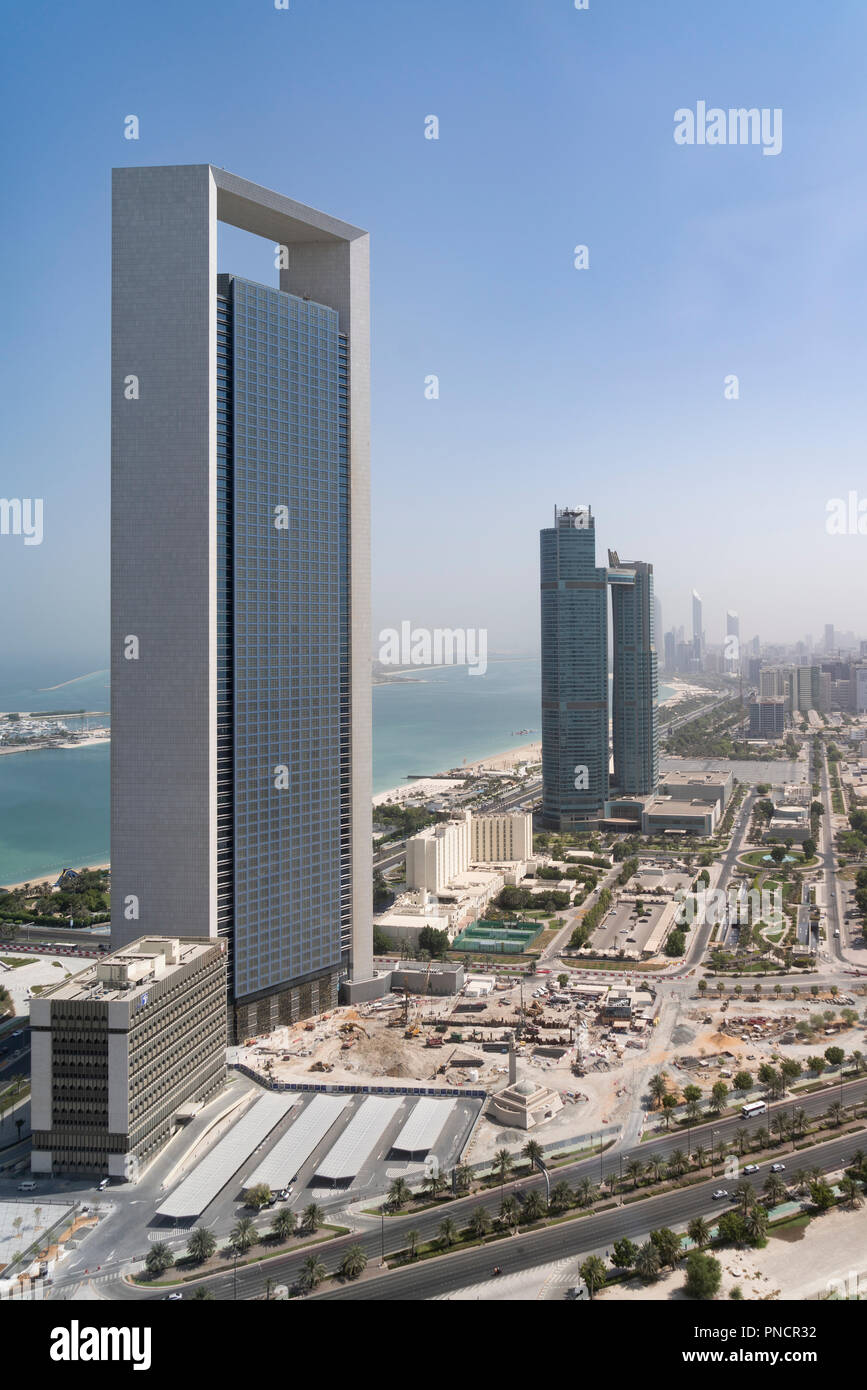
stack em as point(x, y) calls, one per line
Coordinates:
point(54, 803)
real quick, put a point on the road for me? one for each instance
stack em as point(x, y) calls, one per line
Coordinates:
point(286, 1269)
point(584, 1236)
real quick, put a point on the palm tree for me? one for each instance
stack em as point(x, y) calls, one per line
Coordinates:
point(311, 1218)
point(480, 1223)
point(312, 1273)
point(659, 1087)
point(677, 1164)
point(503, 1162)
point(354, 1263)
point(201, 1244)
point(585, 1192)
point(243, 1235)
point(700, 1153)
point(532, 1150)
point(699, 1232)
point(835, 1113)
point(647, 1261)
point(412, 1238)
point(283, 1225)
point(509, 1212)
point(655, 1168)
point(594, 1274)
point(745, 1194)
point(561, 1197)
point(775, 1189)
point(398, 1194)
point(851, 1190)
point(742, 1138)
point(435, 1184)
point(204, 1296)
point(634, 1169)
point(448, 1232)
point(533, 1207)
point(756, 1222)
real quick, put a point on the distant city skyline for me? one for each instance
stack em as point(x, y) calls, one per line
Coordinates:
point(605, 382)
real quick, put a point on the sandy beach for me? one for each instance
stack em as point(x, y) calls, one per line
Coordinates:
point(86, 741)
point(48, 879)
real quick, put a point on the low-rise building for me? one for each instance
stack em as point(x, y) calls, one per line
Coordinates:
point(121, 1049)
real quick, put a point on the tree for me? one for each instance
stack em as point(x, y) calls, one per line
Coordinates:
point(399, 1194)
point(354, 1262)
point(159, 1258)
point(677, 1163)
point(703, 1276)
point(503, 1163)
point(731, 1229)
point(479, 1223)
point(756, 1223)
point(634, 1169)
point(312, 1273)
point(533, 1207)
point(745, 1194)
point(821, 1194)
point(775, 1189)
point(204, 1296)
point(412, 1239)
point(448, 1233)
point(718, 1096)
point(659, 1087)
point(699, 1232)
point(624, 1255)
point(669, 1104)
point(742, 1137)
point(834, 1056)
point(647, 1261)
point(258, 1196)
point(562, 1197)
point(283, 1225)
point(311, 1218)
point(743, 1081)
point(594, 1274)
point(508, 1213)
point(668, 1245)
point(692, 1096)
point(201, 1245)
point(243, 1235)
point(532, 1150)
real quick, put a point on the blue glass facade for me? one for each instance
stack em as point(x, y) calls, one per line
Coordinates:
point(284, 630)
point(636, 683)
point(574, 671)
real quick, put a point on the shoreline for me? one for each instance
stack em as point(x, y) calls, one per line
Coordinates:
point(89, 741)
point(49, 878)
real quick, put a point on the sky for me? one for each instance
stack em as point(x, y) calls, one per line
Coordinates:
point(557, 385)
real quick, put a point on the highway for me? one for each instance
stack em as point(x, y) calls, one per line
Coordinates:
point(286, 1269)
point(584, 1236)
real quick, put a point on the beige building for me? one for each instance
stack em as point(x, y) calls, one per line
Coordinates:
point(437, 855)
point(501, 839)
point(120, 1049)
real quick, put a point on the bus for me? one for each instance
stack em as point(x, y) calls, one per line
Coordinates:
point(755, 1107)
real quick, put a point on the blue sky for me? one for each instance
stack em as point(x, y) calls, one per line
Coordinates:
point(557, 385)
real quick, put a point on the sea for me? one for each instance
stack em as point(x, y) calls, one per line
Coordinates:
point(54, 803)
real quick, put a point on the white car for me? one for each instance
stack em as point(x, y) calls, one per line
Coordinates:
point(751, 1168)
point(720, 1194)
point(778, 1167)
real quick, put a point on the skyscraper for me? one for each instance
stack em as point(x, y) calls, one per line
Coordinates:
point(241, 801)
point(635, 686)
point(697, 631)
point(733, 642)
point(574, 671)
point(576, 786)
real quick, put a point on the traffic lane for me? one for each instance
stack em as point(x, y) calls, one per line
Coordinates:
point(583, 1236)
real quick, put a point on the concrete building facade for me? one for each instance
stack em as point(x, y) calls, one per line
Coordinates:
point(501, 839)
point(119, 1051)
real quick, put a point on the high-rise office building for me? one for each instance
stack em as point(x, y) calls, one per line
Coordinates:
point(241, 799)
point(576, 785)
point(574, 670)
point(733, 642)
point(829, 638)
point(671, 651)
point(697, 630)
point(635, 687)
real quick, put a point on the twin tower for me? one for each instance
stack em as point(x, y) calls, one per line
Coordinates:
point(578, 782)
